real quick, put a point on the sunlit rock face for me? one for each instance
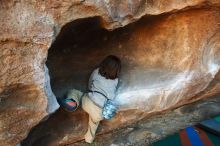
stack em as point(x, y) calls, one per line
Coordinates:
point(166, 60)
point(170, 60)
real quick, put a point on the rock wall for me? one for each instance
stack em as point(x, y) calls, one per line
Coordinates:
point(182, 49)
point(166, 61)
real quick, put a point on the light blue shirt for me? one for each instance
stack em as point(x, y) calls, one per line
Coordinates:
point(99, 83)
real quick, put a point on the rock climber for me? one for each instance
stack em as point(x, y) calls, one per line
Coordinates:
point(102, 86)
point(98, 101)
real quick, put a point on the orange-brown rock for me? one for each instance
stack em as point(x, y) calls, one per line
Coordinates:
point(171, 58)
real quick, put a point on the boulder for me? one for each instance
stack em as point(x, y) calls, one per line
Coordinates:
point(182, 50)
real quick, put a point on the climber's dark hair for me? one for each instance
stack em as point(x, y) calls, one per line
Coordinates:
point(110, 67)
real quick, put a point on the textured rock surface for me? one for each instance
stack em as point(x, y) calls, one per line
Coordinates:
point(27, 29)
point(166, 61)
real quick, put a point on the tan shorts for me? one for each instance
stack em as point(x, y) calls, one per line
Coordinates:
point(95, 116)
point(93, 110)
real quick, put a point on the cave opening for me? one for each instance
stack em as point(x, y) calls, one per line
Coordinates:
point(77, 50)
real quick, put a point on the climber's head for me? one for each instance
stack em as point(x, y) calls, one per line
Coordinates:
point(110, 67)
